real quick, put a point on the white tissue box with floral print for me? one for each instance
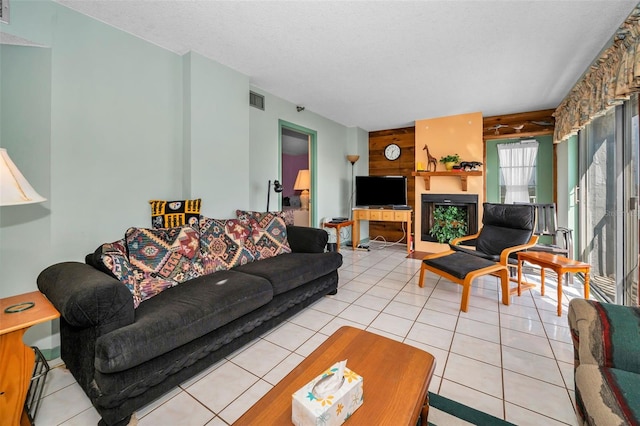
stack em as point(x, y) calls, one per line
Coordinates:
point(331, 410)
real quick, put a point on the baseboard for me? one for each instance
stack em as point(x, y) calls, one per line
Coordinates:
point(50, 354)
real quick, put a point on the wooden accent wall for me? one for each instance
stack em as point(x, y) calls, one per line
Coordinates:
point(519, 125)
point(403, 166)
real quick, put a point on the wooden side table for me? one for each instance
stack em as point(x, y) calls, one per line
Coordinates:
point(338, 226)
point(17, 359)
point(559, 264)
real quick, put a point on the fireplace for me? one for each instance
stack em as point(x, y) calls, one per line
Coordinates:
point(430, 202)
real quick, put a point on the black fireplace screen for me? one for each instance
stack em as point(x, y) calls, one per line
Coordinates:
point(430, 202)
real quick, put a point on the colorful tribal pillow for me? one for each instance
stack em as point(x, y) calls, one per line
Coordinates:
point(113, 259)
point(169, 214)
point(287, 215)
point(164, 258)
point(224, 243)
point(268, 233)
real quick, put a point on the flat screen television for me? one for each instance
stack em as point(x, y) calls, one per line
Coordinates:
point(381, 191)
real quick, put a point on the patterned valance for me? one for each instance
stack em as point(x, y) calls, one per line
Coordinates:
point(610, 80)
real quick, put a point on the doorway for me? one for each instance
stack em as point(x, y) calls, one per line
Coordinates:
point(298, 172)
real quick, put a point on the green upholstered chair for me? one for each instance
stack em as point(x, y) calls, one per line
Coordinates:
point(606, 343)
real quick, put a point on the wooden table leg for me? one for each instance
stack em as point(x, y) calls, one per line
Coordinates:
point(425, 411)
point(559, 273)
point(355, 234)
point(520, 262)
point(542, 280)
point(586, 283)
point(409, 235)
point(338, 239)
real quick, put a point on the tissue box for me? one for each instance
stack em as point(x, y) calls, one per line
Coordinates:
point(334, 409)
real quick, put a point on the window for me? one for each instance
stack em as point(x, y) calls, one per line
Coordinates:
point(517, 164)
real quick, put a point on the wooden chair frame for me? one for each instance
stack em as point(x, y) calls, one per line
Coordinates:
point(500, 269)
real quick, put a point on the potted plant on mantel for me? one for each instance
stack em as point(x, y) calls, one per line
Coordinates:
point(450, 160)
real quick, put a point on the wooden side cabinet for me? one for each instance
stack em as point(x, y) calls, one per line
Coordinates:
point(381, 215)
point(17, 359)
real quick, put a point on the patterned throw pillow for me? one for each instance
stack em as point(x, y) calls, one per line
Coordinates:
point(224, 243)
point(169, 214)
point(268, 233)
point(115, 260)
point(163, 257)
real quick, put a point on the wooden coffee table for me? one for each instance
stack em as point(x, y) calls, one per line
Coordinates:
point(559, 264)
point(396, 380)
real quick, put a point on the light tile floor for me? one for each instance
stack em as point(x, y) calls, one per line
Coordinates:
point(515, 362)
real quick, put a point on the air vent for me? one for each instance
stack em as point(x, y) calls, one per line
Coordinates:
point(256, 100)
point(4, 11)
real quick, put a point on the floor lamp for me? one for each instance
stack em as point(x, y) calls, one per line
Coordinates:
point(277, 187)
point(352, 159)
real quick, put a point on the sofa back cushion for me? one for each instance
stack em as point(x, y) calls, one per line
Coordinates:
point(169, 214)
point(268, 233)
point(163, 257)
point(224, 244)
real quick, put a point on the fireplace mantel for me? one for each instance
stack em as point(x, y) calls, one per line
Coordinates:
point(462, 175)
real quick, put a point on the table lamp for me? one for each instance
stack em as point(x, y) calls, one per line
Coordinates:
point(14, 188)
point(303, 183)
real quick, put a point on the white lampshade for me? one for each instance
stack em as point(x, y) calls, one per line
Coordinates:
point(303, 183)
point(14, 188)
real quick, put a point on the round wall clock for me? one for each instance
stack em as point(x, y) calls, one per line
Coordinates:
point(392, 152)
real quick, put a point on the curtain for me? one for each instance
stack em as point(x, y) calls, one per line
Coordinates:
point(516, 165)
point(610, 80)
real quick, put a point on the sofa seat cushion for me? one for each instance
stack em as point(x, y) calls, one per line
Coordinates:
point(607, 396)
point(291, 270)
point(179, 315)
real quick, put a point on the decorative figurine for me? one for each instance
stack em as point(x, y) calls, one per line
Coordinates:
point(430, 160)
point(470, 165)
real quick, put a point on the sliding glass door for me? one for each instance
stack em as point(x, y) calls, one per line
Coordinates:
point(609, 203)
point(631, 167)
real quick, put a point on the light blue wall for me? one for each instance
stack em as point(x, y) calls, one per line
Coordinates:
point(129, 122)
point(219, 137)
point(334, 142)
point(25, 131)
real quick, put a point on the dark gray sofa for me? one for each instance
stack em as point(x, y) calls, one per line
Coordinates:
point(125, 358)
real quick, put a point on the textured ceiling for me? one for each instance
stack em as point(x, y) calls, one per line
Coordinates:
point(383, 64)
